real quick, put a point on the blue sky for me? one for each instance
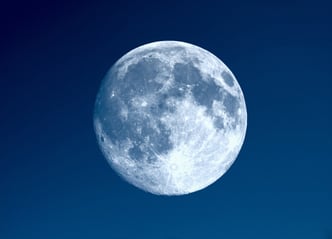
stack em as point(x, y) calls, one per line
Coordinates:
point(54, 181)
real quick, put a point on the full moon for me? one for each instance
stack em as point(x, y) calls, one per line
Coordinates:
point(170, 118)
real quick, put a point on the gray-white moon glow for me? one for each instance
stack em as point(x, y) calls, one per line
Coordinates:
point(170, 118)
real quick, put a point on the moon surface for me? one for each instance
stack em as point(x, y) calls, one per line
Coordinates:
point(170, 118)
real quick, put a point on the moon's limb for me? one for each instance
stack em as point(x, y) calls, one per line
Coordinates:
point(170, 118)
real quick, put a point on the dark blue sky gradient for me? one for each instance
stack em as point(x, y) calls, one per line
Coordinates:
point(54, 181)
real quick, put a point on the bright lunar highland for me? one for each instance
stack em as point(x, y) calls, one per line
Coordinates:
point(170, 118)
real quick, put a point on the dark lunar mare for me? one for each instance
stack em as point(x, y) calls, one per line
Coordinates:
point(228, 78)
point(139, 80)
point(206, 91)
point(137, 125)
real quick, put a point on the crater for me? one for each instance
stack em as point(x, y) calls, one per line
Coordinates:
point(102, 139)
